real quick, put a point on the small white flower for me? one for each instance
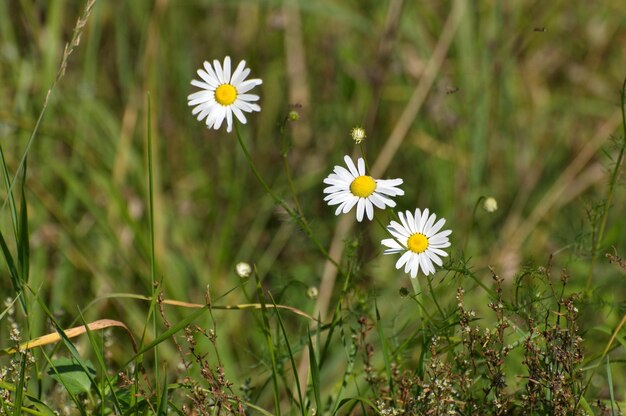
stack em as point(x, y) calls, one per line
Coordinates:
point(490, 204)
point(418, 236)
point(312, 292)
point(223, 94)
point(350, 187)
point(243, 270)
point(358, 134)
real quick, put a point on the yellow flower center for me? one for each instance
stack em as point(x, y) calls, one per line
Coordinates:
point(363, 186)
point(417, 243)
point(225, 94)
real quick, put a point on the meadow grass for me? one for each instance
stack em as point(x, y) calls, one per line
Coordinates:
point(123, 218)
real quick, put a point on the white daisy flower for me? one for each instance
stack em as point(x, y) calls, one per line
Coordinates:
point(223, 94)
point(418, 236)
point(350, 187)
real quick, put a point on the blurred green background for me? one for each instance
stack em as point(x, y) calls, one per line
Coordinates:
point(522, 104)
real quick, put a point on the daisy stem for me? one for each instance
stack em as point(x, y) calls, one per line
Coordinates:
point(294, 215)
point(432, 294)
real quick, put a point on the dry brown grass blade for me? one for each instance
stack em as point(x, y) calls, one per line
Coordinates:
point(240, 307)
point(71, 333)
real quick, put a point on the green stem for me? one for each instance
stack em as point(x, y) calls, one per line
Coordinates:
point(432, 294)
point(293, 214)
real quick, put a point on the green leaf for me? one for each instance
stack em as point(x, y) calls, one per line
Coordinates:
point(70, 373)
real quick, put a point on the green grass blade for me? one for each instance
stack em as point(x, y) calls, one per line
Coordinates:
point(162, 409)
point(151, 220)
point(19, 391)
point(294, 367)
point(270, 343)
point(315, 374)
point(13, 273)
point(609, 378)
point(103, 367)
point(385, 351)
point(23, 241)
point(10, 198)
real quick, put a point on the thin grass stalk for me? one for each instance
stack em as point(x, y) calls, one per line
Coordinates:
point(597, 241)
point(153, 284)
point(270, 344)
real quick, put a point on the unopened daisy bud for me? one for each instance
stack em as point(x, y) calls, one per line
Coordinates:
point(312, 292)
point(293, 115)
point(358, 134)
point(243, 270)
point(490, 204)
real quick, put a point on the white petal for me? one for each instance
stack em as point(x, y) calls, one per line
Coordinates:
point(436, 227)
point(220, 115)
point(211, 73)
point(334, 188)
point(344, 174)
point(444, 233)
point(208, 77)
point(425, 264)
point(379, 201)
point(434, 258)
point(239, 114)
point(350, 204)
point(391, 243)
point(332, 179)
point(338, 198)
point(398, 232)
point(203, 85)
point(403, 260)
point(351, 167)
point(415, 266)
point(369, 209)
point(429, 224)
point(227, 70)
point(248, 97)
point(229, 119)
point(360, 208)
point(248, 85)
point(388, 190)
point(422, 222)
point(218, 71)
point(201, 98)
point(411, 264)
point(439, 246)
point(382, 200)
point(248, 107)
point(405, 222)
point(237, 75)
point(361, 166)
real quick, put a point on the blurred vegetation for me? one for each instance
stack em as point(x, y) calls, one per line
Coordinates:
point(522, 105)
